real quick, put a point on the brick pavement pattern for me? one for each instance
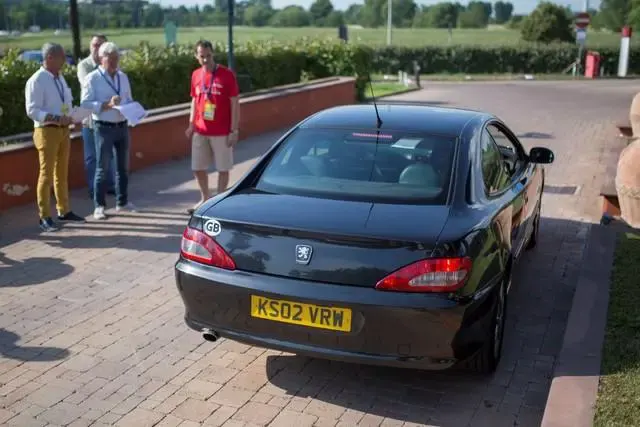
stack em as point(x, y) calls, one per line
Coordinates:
point(91, 327)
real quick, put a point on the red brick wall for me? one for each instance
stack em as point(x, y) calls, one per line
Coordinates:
point(161, 139)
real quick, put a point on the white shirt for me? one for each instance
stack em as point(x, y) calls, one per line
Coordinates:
point(43, 95)
point(98, 87)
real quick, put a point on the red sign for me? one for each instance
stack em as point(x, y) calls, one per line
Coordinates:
point(582, 20)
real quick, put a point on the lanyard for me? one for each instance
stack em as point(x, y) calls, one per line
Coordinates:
point(204, 78)
point(116, 89)
point(59, 87)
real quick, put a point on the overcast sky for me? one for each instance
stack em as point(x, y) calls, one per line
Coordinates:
point(520, 6)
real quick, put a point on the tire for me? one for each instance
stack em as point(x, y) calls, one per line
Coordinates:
point(533, 239)
point(488, 357)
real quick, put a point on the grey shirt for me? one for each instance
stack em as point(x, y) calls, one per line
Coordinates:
point(86, 66)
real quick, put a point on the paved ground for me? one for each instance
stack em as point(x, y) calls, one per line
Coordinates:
point(91, 329)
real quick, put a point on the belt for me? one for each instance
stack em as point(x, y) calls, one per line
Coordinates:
point(51, 125)
point(111, 124)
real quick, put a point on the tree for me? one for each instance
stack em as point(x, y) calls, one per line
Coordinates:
point(291, 16)
point(614, 13)
point(319, 10)
point(257, 15)
point(353, 14)
point(547, 23)
point(503, 11)
point(440, 15)
point(476, 16)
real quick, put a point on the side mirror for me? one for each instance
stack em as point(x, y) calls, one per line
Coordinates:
point(541, 155)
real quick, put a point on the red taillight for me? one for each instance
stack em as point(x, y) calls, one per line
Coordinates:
point(429, 275)
point(197, 246)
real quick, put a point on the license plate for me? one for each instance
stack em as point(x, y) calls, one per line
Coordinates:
point(310, 315)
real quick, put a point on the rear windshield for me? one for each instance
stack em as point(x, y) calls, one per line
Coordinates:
point(392, 167)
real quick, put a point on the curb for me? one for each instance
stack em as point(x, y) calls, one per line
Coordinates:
point(574, 389)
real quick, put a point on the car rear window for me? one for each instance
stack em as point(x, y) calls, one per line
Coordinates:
point(392, 167)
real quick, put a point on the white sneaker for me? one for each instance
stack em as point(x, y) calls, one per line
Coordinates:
point(98, 213)
point(129, 207)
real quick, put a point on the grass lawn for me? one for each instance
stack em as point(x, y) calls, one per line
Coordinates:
point(619, 394)
point(404, 36)
point(386, 89)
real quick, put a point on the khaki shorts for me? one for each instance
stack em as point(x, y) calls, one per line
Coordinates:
point(206, 149)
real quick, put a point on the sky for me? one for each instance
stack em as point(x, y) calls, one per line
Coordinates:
point(520, 6)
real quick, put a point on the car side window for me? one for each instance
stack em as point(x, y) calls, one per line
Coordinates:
point(494, 172)
point(510, 153)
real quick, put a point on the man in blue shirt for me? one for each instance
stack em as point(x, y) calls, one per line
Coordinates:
point(86, 66)
point(102, 91)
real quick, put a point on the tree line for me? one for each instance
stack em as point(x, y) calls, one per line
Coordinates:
point(47, 14)
point(21, 15)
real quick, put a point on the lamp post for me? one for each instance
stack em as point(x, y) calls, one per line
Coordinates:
point(230, 57)
point(74, 22)
point(389, 21)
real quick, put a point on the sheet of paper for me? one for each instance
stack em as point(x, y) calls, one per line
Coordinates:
point(133, 112)
point(78, 114)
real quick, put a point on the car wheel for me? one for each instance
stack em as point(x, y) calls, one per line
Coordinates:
point(533, 239)
point(487, 359)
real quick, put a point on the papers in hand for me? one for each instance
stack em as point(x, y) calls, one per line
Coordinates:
point(132, 111)
point(78, 114)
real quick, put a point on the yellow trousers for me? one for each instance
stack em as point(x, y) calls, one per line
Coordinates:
point(53, 145)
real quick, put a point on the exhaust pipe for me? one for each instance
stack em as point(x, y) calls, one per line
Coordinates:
point(210, 335)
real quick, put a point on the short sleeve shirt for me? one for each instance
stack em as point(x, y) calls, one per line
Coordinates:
point(216, 87)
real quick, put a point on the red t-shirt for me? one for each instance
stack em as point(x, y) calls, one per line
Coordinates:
point(219, 93)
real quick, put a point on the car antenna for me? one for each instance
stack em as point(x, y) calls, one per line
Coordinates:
point(373, 98)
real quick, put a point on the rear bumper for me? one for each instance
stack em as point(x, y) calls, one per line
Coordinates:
point(392, 329)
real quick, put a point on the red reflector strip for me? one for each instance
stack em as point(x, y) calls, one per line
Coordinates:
point(372, 135)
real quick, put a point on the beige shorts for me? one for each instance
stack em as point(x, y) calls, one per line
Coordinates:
point(206, 149)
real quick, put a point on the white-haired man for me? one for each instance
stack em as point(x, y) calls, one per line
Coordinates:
point(86, 66)
point(102, 90)
point(48, 102)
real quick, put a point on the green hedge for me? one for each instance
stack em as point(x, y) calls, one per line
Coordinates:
point(160, 77)
point(526, 58)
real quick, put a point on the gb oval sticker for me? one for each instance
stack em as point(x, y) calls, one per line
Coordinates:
point(212, 227)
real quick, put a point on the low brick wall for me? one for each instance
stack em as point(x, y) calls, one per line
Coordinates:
point(160, 138)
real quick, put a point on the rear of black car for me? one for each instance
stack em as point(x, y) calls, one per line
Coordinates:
point(329, 250)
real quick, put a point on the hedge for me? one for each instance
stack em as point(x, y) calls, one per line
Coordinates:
point(525, 58)
point(160, 76)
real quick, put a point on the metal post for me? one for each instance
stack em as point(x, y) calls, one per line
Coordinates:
point(74, 22)
point(389, 11)
point(230, 57)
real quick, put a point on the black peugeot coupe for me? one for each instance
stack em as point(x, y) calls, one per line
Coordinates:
point(372, 235)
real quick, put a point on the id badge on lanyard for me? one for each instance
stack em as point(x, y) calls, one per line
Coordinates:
point(209, 112)
point(64, 109)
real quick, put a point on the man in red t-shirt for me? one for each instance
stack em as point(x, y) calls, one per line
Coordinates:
point(214, 119)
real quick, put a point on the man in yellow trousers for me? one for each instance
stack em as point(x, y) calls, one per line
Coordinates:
point(48, 101)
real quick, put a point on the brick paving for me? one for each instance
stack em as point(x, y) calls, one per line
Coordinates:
point(91, 328)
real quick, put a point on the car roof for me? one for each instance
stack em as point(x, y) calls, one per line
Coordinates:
point(397, 116)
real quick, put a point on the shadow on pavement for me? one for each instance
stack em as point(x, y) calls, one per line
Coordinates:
point(539, 304)
point(164, 244)
point(9, 350)
point(32, 271)
point(168, 189)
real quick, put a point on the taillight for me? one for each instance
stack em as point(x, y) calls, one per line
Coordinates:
point(429, 275)
point(197, 246)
